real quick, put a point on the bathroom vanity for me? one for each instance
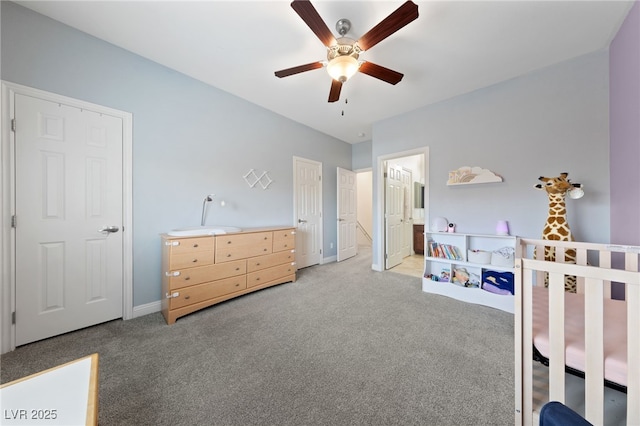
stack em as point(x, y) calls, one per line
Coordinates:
point(200, 271)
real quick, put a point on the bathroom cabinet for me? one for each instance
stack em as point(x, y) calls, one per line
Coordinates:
point(200, 271)
point(418, 238)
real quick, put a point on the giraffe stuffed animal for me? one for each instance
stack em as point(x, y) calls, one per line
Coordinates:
point(557, 228)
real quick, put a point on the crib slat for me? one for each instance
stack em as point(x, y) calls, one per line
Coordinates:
point(539, 255)
point(527, 347)
point(581, 259)
point(556, 339)
point(594, 350)
point(633, 354)
point(604, 261)
point(632, 294)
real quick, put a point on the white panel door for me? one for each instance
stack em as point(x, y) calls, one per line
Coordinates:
point(347, 214)
point(69, 273)
point(308, 212)
point(394, 211)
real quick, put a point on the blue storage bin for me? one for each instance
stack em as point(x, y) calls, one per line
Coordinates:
point(498, 282)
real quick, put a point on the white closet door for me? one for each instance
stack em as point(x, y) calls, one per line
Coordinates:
point(347, 217)
point(69, 273)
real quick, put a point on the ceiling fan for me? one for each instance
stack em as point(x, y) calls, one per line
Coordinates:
point(343, 53)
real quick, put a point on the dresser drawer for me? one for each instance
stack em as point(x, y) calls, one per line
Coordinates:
point(241, 246)
point(190, 259)
point(202, 292)
point(264, 276)
point(201, 274)
point(269, 260)
point(189, 245)
point(284, 240)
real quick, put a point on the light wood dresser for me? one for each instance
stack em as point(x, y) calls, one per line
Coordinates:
point(198, 272)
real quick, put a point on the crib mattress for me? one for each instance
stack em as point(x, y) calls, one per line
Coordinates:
point(615, 332)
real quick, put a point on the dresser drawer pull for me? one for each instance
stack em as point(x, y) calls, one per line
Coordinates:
point(187, 278)
point(187, 297)
point(229, 255)
point(264, 250)
point(194, 260)
point(195, 245)
point(228, 242)
point(238, 268)
point(265, 238)
point(286, 245)
point(237, 284)
point(258, 264)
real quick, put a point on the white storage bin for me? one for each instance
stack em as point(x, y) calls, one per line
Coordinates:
point(502, 259)
point(478, 256)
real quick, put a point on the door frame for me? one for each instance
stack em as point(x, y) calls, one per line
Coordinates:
point(7, 202)
point(378, 246)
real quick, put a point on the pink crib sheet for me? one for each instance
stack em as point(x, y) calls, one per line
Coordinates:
point(615, 332)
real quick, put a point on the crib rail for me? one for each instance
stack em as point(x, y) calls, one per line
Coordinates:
point(594, 280)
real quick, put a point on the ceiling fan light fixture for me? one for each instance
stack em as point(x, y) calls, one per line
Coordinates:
point(342, 68)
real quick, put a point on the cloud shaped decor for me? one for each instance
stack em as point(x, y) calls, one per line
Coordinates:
point(467, 175)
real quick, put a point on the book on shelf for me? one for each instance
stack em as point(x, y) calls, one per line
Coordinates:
point(445, 275)
point(444, 251)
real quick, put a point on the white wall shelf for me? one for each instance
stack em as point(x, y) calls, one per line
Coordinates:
point(471, 176)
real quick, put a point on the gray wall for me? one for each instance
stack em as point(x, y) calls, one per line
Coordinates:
point(189, 139)
point(361, 156)
point(550, 121)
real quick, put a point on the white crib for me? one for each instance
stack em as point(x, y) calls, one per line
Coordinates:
point(594, 275)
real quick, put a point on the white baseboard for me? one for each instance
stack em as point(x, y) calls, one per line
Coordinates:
point(146, 309)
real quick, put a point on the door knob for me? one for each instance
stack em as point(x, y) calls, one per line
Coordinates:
point(109, 229)
point(302, 221)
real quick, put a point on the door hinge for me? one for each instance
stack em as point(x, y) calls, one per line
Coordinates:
point(320, 251)
point(13, 317)
point(13, 124)
point(13, 221)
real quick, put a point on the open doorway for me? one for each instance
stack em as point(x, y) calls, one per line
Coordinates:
point(364, 181)
point(400, 211)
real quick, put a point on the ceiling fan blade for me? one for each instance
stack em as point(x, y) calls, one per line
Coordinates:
point(312, 18)
point(380, 72)
point(298, 69)
point(334, 93)
point(403, 15)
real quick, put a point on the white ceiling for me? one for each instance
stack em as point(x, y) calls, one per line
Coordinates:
point(452, 48)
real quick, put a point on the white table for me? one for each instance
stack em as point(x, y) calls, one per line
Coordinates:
point(63, 395)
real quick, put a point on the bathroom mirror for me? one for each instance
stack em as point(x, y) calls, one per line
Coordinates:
point(418, 195)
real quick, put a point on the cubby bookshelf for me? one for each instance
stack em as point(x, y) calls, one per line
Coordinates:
point(447, 253)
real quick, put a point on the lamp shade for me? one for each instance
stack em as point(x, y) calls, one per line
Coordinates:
point(502, 228)
point(342, 68)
